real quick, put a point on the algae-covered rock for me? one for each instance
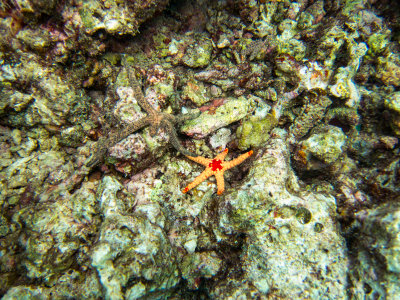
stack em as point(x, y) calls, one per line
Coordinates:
point(37, 171)
point(72, 284)
point(392, 102)
point(254, 133)
point(53, 99)
point(377, 252)
point(377, 42)
point(388, 70)
point(232, 288)
point(26, 292)
point(51, 239)
point(344, 86)
point(292, 47)
point(231, 111)
point(196, 92)
point(262, 21)
point(72, 231)
point(37, 40)
point(131, 246)
point(220, 139)
point(118, 17)
point(14, 100)
point(204, 265)
point(330, 46)
point(312, 15)
point(198, 54)
point(324, 145)
point(32, 10)
point(283, 254)
point(382, 225)
point(72, 136)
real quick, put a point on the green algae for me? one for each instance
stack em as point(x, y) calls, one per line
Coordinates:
point(255, 133)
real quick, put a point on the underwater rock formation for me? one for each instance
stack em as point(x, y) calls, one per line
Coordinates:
point(290, 233)
point(91, 191)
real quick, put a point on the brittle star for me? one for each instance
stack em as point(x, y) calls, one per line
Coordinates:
point(155, 119)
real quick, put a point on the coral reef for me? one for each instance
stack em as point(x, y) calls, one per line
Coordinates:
point(100, 101)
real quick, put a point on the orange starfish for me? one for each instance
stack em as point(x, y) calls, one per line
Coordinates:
point(216, 167)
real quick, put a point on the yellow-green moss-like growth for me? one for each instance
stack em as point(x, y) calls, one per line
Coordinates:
point(255, 133)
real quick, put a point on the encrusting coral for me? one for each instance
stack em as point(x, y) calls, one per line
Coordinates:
point(155, 119)
point(216, 167)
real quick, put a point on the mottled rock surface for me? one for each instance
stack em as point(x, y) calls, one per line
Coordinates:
point(311, 87)
point(291, 235)
point(378, 252)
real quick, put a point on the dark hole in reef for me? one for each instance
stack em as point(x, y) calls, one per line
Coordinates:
point(367, 288)
point(342, 59)
point(336, 122)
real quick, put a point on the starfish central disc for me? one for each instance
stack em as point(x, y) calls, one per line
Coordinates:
point(215, 165)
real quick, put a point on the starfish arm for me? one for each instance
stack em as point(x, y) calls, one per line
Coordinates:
point(113, 137)
point(222, 155)
point(220, 182)
point(118, 135)
point(199, 179)
point(200, 160)
point(173, 139)
point(234, 162)
point(137, 91)
point(153, 129)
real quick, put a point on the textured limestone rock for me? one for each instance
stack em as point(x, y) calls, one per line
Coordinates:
point(293, 247)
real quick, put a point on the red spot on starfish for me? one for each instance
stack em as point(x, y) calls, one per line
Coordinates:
point(215, 165)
